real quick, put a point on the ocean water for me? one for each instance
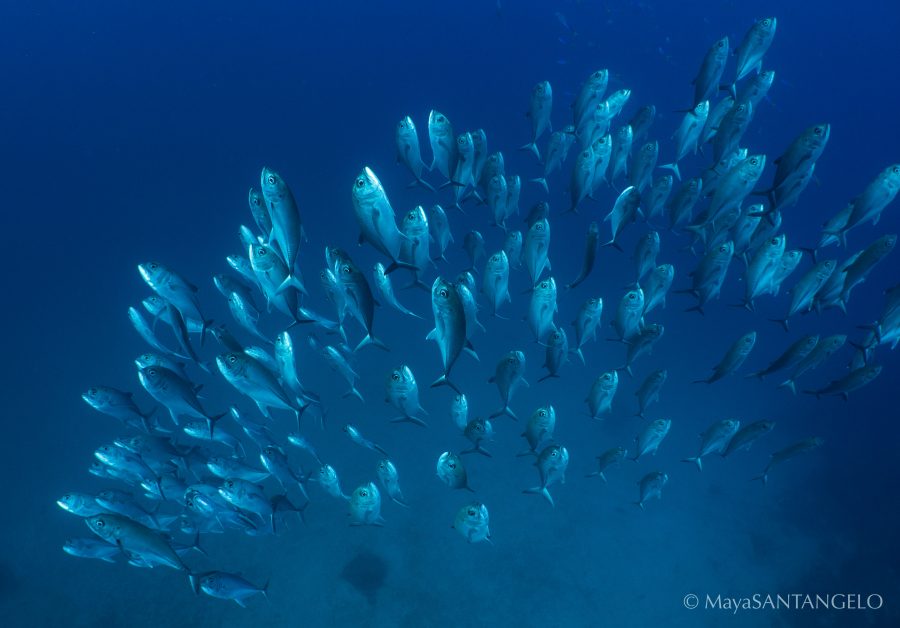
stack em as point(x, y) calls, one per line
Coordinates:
point(132, 133)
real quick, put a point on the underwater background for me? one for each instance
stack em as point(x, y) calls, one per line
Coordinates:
point(132, 131)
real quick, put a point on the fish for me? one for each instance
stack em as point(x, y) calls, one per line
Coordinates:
point(681, 207)
point(508, 374)
point(252, 498)
point(629, 315)
point(473, 243)
point(621, 151)
point(557, 152)
point(624, 212)
point(786, 265)
point(706, 84)
point(586, 323)
point(756, 89)
point(591, 248)
point(539, 429)
point(539, 113)
point(357, 437)
point(513, 248)
point(494, 165)
point(473, 523)
point(408, 152)
point(709, 275)
point(339, 364)
point(761, 268)
point(389, 478)
point(443, 148)
point(328, 478)
point(735, 186)
point(386, 290)
point(232, 468)
point(226, 284)
point(648, 392)
point(656, 196)
point(464, 285)
point(857, 271)
point(800, 156)
point(608, 458)
point(601, 395)
point(641, 122)
point(478, 430)
point(688, 134)
point(536, 249)
point(365, 506)
point(731, 129)
point(557, 353)
point(375, 218)
point(245, 315)
point(134, 539)
point(286, 360)
point(495, 281)
point(651, 485)
point(822, 351)
point(360, 300)
point(513, 192)
point(735, 356)
point(463, 178)
point(552, 463)
point(281, 289)
point(439, 226)
point(479, 153)
point(649, 439)
point(753, 47)
point(414, 249)
point(146, 332)
point(643, 164)
point(591, 93)
point(714, 440)
point(275, 461)
point(287, 227)
point(853, 380)
point(642, 343)
point(403, 393)
point(118, 404)
point(260, 212)
point(542, 309)
point(497, 195)
point(200, 431)
point(449, 327)
point(228, 586)
point(91, 548)
point(582, 179)
point(179, 396)
point(657, 286)
point(601, 149)
point(80, 504)
point(746, 436)
point(792, 356)
point(869, 205)
point(791, 451)
point(176, 290)
point(459, 411)
point(251, 378)
point(452, 472)
point(645, 252)
point(713, 120)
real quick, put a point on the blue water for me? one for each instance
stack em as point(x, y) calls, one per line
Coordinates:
point(132, 133)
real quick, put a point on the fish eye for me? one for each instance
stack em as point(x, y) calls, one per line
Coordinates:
point(364, 493)
point(554, 454)
point(896, 169)
point(720, 44)
point(765, 22)
point(471, 512)
point(632, 296)
point(229, 484)
point(511, 360)
point(545, 285)
point(153, 266)
point(443, 292)
point(441, 118)
point(539, 226)
point(460, 140)
point(261, 251)
point(270, 180)
point(395, 376)
point(542, 413)
point(774, 241)
point(753, 161)
point(723, 249)
point(817, 131)
point(232, 359)
point(360, 183)
point(92, 391)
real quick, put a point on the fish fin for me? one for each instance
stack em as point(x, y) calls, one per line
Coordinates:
point(674, 168)
point(696, 460)
point(534, 149)
point(410, 419)
point(371, 340)
point(353, 392)
point(538, 490)
point(395, 265)
point(543, 182)
point(443, 380)
point(613, 244)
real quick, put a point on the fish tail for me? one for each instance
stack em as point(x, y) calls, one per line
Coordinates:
point(764, 477)
point(613, 244)
point(674, 168)
point(696, 308)
point(812, 253)
point(444, 380)
point(353, 393)
point(696, 460)
point(409, 419)
point(534, 149)
point(639, 505)
point(371, 340)
point(540, 490)
point(789, 383)
point(395, 265)
point(782, 321)
point(505, 410)
point(579, 354)
point(543, 182)
point(548, 376)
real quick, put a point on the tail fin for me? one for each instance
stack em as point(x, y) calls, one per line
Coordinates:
point(443, 380)
point(782, 321)
point(354, 393)
point(539, 490)
point(696, 460)
point(674, 168)
point(505, 410)
point(543, 183)
point(533, 148)
point(789, 383)
point(371, 340)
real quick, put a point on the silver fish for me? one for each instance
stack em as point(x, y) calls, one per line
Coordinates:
point(822, 351)
point(643, 164)
point(656, 287)
point(602, 392)
point(649, 439)
point(287, 228)
point(651, 485)
point(539, 113)
point(365, 506)
point(792, 356)
point(539, 429)
point(648, 392)
point(386, 290)
point(746, 436)
point(536, 249)
point(608, 458)
point(389, 478)
point(624, 212)
point(552, 463)
point(408, 151)
point(542, 309)
point(473, 523)
point(508, 374)
point(228, 586)
point(449, 327)
point(629, 314)
point(710, 75)
point(452, 472)
point(688, 135)
point(645, 253)
point(735, 356)
point(443, 145)
point(439, 227)
point(557, 353)
point(357, 437)
point(586, 323)
point(789, 452)
point(848, 383)
point(414, 249)
point(495, 281)
point(591, 248)
point(714, 440)
point(755, 44)
point(375, 217)
point(403, 393)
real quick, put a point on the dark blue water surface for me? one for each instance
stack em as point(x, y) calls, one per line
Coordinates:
point(131, 132)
